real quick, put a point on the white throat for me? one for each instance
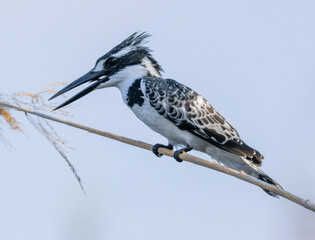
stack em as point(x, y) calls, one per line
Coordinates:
point(131, 73)
point(127, 77)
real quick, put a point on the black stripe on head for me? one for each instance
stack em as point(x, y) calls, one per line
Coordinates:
point(134, 57)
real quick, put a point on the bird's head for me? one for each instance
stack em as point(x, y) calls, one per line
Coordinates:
point(128, 60)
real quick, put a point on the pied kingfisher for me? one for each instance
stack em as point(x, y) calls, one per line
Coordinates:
point(168, 107)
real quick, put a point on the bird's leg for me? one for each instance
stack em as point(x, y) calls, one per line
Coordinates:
point(157, 146)
point(177, 152)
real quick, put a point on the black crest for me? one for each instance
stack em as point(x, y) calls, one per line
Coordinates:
point(137, 52)
point(136, 39)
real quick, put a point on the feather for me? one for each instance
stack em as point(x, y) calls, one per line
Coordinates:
point(191, 112)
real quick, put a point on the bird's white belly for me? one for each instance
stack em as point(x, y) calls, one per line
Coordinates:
point(158, 123)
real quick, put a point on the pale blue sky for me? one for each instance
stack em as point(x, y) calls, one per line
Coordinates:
point(253, 60)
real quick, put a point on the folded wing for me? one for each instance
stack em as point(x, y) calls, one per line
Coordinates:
point(191, 112)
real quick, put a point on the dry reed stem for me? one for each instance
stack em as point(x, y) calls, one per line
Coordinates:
point(185, 157)
point(36, 102)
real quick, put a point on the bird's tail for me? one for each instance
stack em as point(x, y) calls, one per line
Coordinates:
point(242, 164)
point(256, 172)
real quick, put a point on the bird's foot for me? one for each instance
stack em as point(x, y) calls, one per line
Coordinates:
point(156, 147)
point(177, 152)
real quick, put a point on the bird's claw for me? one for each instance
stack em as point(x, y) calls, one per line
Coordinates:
point(176, 155)
point(177, 152)
point(156, 147)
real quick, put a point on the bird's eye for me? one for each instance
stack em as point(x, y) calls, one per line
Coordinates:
point(111, 61)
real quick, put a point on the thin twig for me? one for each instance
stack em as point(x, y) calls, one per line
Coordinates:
point(185, 157)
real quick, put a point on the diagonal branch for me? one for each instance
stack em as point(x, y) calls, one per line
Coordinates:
point(185, 157)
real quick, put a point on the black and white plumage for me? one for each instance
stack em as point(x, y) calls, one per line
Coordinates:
point(191, 112)
point(168, 107)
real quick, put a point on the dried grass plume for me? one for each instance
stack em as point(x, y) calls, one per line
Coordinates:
point(36, 102)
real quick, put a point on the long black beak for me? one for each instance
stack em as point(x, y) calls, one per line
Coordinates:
point(90, 76)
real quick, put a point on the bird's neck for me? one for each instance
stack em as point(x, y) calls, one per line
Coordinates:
point(132, 76)
point(152, 67)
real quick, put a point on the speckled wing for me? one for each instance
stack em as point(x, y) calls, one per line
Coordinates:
point(191, 112)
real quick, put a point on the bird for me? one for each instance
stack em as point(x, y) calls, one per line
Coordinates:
point(186, 119)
